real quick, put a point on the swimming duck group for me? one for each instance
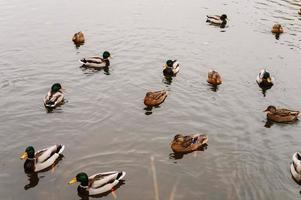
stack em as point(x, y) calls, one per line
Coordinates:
point(99, 183)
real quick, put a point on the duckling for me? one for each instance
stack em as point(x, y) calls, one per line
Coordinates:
point(217, 20)
point(41, 160)
point(78, 38)
point(97, 183)
point(281, 115)
point(264, 79)
point(296, 167)
point(55, 97)
point(171, 68)
point(97, 62)
point(155, 98)
point(214, 78)
point(188, 143)
point(277, 29)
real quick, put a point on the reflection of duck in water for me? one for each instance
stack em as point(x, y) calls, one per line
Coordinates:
point(41, 160)
point(296, 167)
point(281, 115)
point(217, 20)
point(97, 62)
point(55, 97)
point(171, 68)
point(185, 144)
point(33, 181)
point(98, 183)
point(78, 38)
point(264, 79)
point(152, 99)
point(214, 78)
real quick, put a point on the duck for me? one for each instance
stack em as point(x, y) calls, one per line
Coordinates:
point(296, 167)
point(98, 183)
point(186, 144)
point(78, 38)
point(97, 62)
point(217, 20)
point(299, 12)
point(171, 68)
point(281, 115)
point(55, 96)
point(42, 159)
point(155, 98)
point(214, 78)
point(264, 79)
point(277, 29)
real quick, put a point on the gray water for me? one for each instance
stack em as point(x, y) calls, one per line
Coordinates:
point(104, 125)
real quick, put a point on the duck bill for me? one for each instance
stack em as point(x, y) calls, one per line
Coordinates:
point(24, 156)
point(73, 180)
point(266, 110)
point(165, 65)
point(269, 80)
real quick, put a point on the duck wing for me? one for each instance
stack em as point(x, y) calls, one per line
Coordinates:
point(214, 17)
point(104, 182)
point(159, 95)
point(95, 59)
point(286, 112)
point(46, 157)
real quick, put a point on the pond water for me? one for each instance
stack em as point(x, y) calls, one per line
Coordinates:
point(104, 125)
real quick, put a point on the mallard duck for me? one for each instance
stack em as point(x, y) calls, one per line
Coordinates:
point(41, 160)
point(55, 97)
point(97, 183)
point(188, 143)
point(296, 166)
point(264, 79)
point(277, 29)
point(97, 62)
point(155, 98)
point(214, 78)
point(217, 20)
point(78, 38)
point(281, 115)
point(171, 68)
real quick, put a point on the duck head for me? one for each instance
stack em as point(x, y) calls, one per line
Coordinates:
point(223, 17)
point(29, 153)
point(82, 178)
point(106, 55)
point(266, 75)
point(179, 138)
point(169, 63)
point(271, 109)
point(56, 87)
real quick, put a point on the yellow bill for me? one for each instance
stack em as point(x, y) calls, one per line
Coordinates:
point(24, 156)
point(72, 181)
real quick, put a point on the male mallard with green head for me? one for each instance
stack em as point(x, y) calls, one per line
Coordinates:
point(41, 160)
point(97, 183)
point(155, 98)
point(171, 68)
point(281, 115)
point(188, 143)
point(55, 97)
point(217, 20)
point(264, 79)
point(97, 62)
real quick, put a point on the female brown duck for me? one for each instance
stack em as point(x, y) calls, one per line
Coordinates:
point(155, 98)
point(214, 78)
point(188, 143)
point(78, 38)
point(281, 115)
